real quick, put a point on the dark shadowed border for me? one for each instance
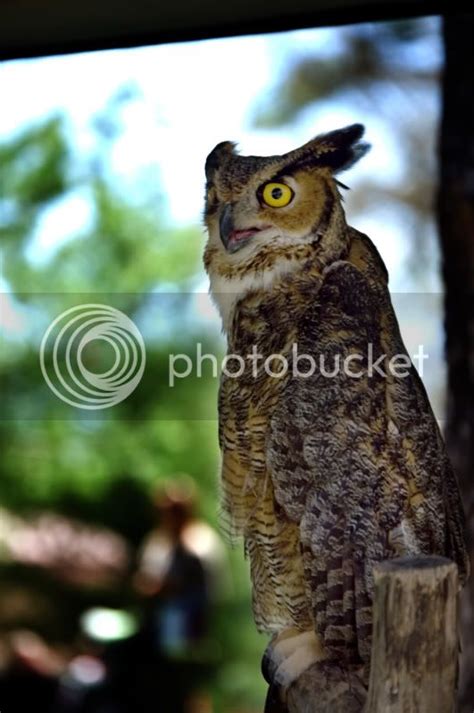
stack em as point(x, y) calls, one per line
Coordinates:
point(30, 28)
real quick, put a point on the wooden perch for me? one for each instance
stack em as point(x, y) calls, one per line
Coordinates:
point(414, 649)
point(415, 637)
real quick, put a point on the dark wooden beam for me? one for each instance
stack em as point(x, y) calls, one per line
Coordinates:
point(43, 27)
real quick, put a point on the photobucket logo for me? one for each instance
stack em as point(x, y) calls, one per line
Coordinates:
point(62, 356)
point(300, 365)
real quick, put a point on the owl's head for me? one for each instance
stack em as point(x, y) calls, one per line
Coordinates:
point(264, 210)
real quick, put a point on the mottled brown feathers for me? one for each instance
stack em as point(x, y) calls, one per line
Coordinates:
point(323, 477)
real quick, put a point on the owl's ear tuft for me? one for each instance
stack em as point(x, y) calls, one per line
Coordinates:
point(217, 156)
point(342, 148)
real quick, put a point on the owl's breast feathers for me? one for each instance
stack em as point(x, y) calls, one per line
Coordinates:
point(326, 475)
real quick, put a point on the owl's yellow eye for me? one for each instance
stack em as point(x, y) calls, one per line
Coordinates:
point(277, 195)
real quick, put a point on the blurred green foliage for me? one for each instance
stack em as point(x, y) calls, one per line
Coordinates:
point(102, 468)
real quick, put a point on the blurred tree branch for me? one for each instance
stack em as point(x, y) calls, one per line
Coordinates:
point(373, 68)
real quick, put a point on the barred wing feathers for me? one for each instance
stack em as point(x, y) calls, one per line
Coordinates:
point(359, 463)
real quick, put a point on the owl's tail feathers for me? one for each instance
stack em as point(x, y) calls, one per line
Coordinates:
point(342, 610)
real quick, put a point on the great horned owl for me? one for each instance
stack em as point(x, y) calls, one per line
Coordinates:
point(323, 474)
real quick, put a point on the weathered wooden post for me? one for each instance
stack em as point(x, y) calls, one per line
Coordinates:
point(414, 648)
point(415, 637)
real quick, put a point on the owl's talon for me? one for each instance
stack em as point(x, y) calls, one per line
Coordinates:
point(289, 654)
point(267, 666)
point(275, 702)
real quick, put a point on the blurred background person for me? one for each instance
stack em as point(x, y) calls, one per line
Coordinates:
point(179, 566)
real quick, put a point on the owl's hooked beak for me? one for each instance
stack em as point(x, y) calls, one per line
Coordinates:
point(226, 225)
point(233, 239)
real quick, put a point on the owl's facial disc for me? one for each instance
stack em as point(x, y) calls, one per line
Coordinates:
point(232, 238)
